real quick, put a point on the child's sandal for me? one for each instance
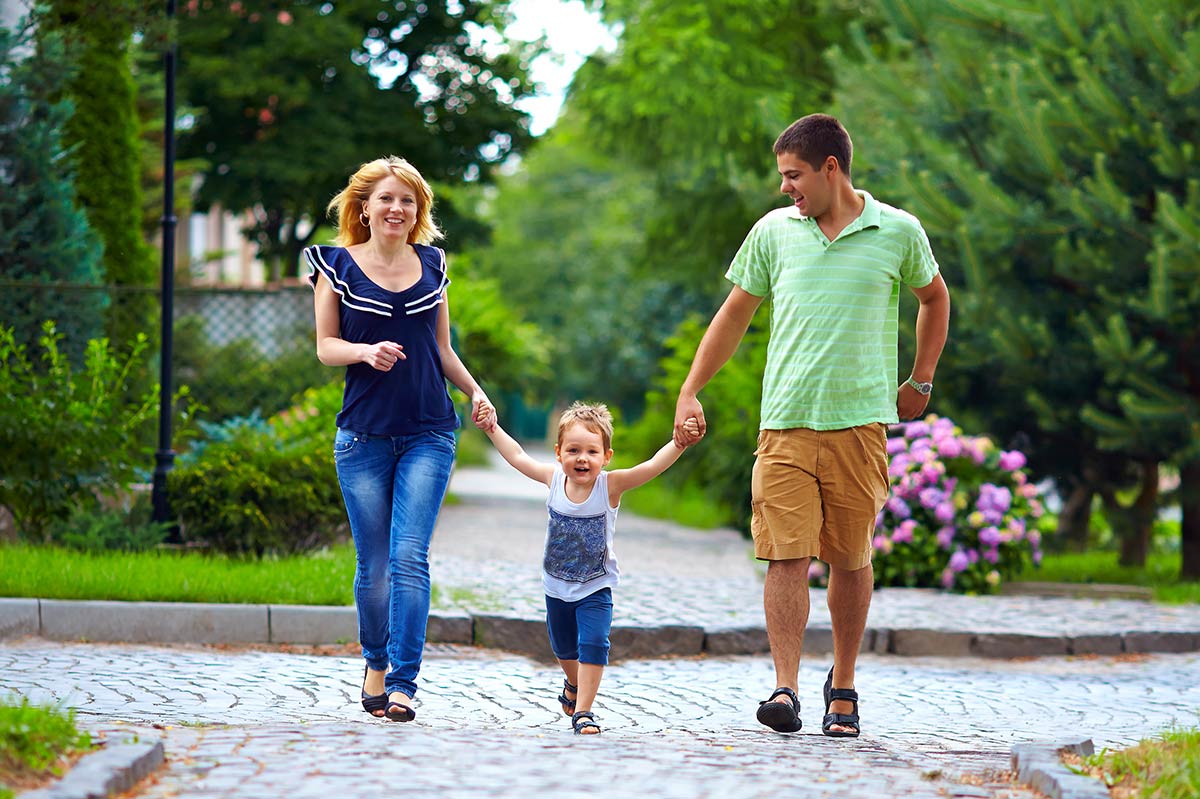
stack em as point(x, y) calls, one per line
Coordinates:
point(568, 705)
point(839, 719)
point(583, 720)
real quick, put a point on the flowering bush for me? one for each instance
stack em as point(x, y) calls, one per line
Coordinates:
point(961, 514)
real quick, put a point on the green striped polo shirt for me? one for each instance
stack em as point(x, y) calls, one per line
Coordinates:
point(832, 354)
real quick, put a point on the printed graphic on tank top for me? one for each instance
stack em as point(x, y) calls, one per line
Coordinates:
point(576, 547)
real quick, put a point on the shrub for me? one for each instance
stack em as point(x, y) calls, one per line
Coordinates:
point(68, 436)
point(961, 514)
point(105, 529)
point(255, 493)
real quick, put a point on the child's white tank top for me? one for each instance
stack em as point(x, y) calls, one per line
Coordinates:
point(579, 558)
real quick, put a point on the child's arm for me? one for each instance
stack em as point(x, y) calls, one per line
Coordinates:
point(621, 480)
point(512, 452)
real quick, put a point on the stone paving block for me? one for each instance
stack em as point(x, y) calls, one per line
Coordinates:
point(1162, 641)
point(18, 617)
point(159, 622)
point(313, 624)
point(736, 641)
point(113, 770)
point(450, 628)
point(526, 636)
point(930, 642)
point(1095, 645)
point(1015, 645)
point(651, 642)
point(882, 642)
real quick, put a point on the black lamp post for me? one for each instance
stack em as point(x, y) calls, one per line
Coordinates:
point(164, 457)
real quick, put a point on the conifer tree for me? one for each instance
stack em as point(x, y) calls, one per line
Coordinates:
point(1051, 154)
point(103, 139)
point(44, 237)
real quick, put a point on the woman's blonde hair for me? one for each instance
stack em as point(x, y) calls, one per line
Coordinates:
point(593, 416)
point(346, 207)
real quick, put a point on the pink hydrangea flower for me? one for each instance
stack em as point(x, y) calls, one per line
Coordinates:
point(1012, 460)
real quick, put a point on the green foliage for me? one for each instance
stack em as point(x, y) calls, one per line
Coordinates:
point(256, 491)
point(103, 529)
point(1165, 767)
point(237, 378)
point(722, 463)
point(33, 738)
point(325, 577)
point(103, 136)
point(69, 435)
point(318, 66)
point(1057, 177)
point(566, 229)
point(43, 236)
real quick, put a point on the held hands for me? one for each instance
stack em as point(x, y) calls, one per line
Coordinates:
point(689, 422)
point(383, 356)
point(483, 413)
point(910, 403)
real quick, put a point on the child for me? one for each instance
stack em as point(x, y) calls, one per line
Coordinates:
point(579, 569)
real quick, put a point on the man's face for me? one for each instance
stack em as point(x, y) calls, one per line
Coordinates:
point(810, 189)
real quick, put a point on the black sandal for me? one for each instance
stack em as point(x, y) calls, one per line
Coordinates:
point(372, 703)
point(399, 712)
point(779, 716)
point(568, 705)
point(843, 719)
point(582, 721)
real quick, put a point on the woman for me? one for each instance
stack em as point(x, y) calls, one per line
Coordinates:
point(381, 309)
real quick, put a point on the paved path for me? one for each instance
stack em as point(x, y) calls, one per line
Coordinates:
point(240, 723)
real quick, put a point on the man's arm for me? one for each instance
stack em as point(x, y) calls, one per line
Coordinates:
point(720, 341)
point(933, 324)
point(515, 454)
point(622, 480)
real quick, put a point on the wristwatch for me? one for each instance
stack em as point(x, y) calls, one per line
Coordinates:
point(922, 388)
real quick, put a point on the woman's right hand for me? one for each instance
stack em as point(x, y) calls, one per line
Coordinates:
point(382, 356)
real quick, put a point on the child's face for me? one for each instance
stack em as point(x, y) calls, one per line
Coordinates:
point(582, 455)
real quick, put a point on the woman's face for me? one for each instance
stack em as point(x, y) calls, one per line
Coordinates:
point(392, 209)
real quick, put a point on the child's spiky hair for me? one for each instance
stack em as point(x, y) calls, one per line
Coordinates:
point(594, 416)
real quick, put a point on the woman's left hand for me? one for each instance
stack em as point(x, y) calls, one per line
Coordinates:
point(483, 413)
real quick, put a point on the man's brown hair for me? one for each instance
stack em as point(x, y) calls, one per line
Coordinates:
point(814, 138)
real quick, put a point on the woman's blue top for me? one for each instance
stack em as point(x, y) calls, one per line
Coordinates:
point(411, 397)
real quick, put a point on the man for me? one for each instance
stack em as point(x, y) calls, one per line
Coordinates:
point(832, 263)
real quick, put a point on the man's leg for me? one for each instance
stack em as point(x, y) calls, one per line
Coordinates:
point(785, 603)
point(849, 599)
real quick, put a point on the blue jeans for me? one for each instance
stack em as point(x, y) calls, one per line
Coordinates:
point(579, 630)
point(393, 487)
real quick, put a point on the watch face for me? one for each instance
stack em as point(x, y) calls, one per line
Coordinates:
point(922, 388)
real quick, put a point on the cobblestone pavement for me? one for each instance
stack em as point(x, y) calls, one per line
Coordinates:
point(244, 723)
point(487, 550)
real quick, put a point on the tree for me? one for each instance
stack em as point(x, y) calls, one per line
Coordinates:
point(103, 138)
point(1057, 176)
point(325, 85)
point(44, 237)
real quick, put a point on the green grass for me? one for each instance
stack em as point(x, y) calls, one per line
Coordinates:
point(1161, 573)
point(690, 506)
point(323, 578)
point(32, 740)
point(1167, 767)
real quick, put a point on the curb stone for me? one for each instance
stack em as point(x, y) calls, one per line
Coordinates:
point(1040, 766)
point(112, 770)
point(182, 622)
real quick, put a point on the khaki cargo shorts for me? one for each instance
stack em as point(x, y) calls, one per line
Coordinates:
point(816, 493)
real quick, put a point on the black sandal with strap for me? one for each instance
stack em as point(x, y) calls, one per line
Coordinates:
point(582, 721)
point(372, 703)
point(568, 705)
point(779, 716)
point(841, 719)
point(397, 711)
